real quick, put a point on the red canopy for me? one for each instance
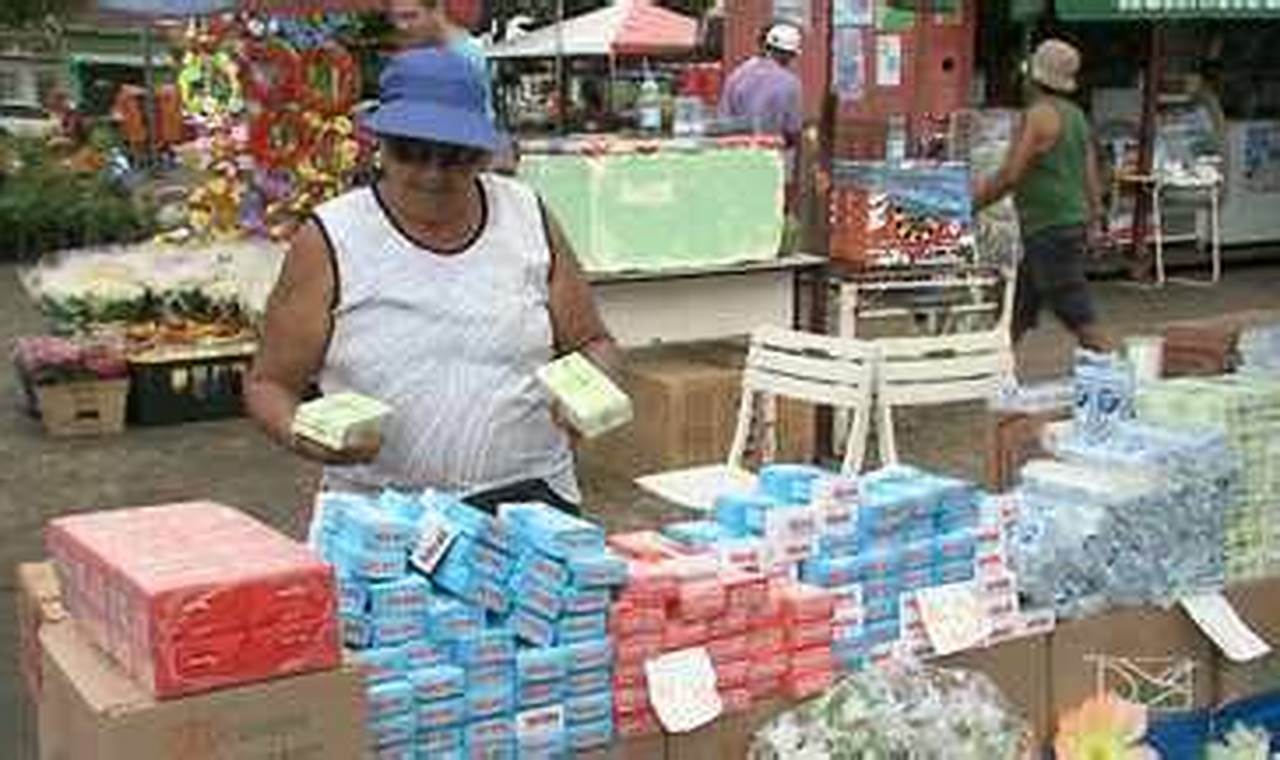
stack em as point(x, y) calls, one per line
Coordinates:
point(628, 27)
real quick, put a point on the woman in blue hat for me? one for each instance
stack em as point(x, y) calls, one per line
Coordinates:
point(439, 290)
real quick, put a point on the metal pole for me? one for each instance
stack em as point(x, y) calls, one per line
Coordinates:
point(1146, 146)
point(149, 97)
point(561, 88)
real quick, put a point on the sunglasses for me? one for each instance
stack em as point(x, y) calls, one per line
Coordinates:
point(422, 152)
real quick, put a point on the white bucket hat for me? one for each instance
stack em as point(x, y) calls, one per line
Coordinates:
point(1055, 65)
point(783, 38)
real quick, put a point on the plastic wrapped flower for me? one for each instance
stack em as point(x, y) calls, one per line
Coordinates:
point(1105, 727)
point(1241, 743)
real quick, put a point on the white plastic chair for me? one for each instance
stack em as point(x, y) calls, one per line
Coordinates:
point(937, 370)
point(818, 369)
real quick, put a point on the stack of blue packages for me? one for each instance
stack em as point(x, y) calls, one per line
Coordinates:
point(910, 530)
point(562, 583)
point(1104, 393)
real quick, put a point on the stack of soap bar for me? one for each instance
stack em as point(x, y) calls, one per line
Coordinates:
point(592, 402)
point(194, 597)
point(341, 421)
point(679, 597)
point(1245, 411)
point(1104, 393)
point(562, 584)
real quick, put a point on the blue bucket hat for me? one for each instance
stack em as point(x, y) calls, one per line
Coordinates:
point(433, 94)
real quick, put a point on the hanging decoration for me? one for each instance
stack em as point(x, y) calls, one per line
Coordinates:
point(272, 101)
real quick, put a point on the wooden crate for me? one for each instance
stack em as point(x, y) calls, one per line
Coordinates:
point(95, 407)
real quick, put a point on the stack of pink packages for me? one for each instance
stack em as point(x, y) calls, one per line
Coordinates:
point(766, 636)
point(194, 597)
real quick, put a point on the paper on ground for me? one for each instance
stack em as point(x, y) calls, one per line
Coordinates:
point(1219, 621)
point(698, 487)
point(682, 689)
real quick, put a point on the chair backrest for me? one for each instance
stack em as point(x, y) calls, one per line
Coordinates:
point(942, 369)
point(818, 369)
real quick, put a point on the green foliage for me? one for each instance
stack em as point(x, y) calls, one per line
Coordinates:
point(46, 207)
point(24, 12)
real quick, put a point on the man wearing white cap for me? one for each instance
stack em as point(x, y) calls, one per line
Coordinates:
point(763, 93)
point(1052, 170)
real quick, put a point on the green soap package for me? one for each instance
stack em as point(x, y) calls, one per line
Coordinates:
point(593, 404)
point(340, 421)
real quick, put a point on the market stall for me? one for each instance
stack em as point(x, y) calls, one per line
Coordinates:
point(805, 608)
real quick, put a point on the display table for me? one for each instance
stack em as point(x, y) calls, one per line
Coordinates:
point(703, 303)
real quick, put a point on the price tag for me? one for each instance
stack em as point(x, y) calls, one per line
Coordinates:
point(682, 689)
point(435, 536)
point(955, 617)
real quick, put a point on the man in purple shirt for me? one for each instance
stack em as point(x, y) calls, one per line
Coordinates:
point(763, 95)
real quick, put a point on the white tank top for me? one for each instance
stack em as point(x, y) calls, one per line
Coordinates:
point(451, 342)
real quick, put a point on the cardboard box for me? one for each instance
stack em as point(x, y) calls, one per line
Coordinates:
point(90, 710)
point(1258, 604)
point(1013, 439)
point(39, 602)
point(730, 736)
point(1020, 669)
point(1156, 657)
point(686, 409)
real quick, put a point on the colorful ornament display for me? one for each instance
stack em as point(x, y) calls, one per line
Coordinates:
point(273, 99)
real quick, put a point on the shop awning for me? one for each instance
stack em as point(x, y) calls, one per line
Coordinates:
point(1160, 10)
point(628, 27)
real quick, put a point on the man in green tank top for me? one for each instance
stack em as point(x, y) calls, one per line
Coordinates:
point(1052, 171)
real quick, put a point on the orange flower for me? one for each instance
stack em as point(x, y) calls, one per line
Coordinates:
point(1105, 727)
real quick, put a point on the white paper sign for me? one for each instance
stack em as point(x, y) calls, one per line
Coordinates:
point(435, 538)
point(889, 60)
point(1220, 622)
point(955, 617)
point(682, 689)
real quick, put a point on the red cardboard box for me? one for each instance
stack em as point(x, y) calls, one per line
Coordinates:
point(194, 597)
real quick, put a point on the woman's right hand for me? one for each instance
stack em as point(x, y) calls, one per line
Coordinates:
point(362, 452)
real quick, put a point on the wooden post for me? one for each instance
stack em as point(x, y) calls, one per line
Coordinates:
point(1152, 76)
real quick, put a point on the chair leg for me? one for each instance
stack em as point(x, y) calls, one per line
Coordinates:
point(884, 433)
point(855, 452)
point(746, 410)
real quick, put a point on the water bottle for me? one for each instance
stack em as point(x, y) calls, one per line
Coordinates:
point(649, 105)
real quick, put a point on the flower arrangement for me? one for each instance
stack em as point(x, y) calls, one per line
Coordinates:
point(899, 712)
point(50, 360)
point(1105, 727)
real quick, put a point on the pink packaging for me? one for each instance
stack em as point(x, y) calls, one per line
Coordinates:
point(800, 601)
point(648, 545)
point(626, 619)
point(748, 592)
point(807, 683)
point(811, 659)
point(638, 723)
point(680, 634)
point(736, 700)
point(637, 649)
point(733, 673)
point(631, 699)
point(769, 667)
point(693, 567)
point(731, 623)
point(728, 648)
point(766, 639)
point(648, 584)
point(628, 675)
point(809, 634)
point(193, 597)
point(764, 687)
point(700, 600)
